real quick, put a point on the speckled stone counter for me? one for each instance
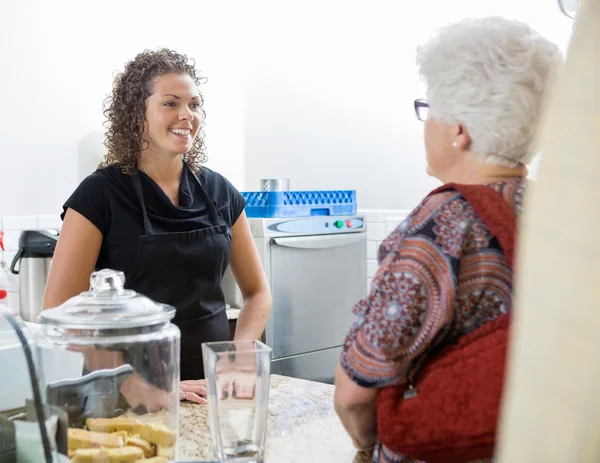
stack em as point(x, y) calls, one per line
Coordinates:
point(302, 426)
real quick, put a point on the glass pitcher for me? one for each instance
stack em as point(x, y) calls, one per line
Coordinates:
point(237, 381)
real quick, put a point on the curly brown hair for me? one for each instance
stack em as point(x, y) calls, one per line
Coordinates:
point(125, 108)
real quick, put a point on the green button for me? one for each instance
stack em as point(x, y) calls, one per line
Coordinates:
point(338, 223)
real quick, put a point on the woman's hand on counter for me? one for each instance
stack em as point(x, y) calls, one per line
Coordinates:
point(193, 390)
point(137, 391)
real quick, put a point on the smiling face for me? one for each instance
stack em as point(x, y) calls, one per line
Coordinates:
point(173, 115)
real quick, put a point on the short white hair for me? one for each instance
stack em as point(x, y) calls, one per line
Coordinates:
point(492, 75)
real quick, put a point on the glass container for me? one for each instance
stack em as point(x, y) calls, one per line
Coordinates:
point(109, 358)
point(237, 380)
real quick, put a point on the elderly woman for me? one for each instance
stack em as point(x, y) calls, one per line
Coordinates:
point(486, 80)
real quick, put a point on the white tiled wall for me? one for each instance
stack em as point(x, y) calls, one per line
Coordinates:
point(380, 223)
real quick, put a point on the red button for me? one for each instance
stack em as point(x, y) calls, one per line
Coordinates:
point(3, 293)
point(349, 223)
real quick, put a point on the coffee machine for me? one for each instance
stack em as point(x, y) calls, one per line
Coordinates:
point(32, 264)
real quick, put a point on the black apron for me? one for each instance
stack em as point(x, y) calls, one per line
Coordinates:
point(185, 270)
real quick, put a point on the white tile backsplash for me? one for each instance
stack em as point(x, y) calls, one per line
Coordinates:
point(24, 222)
point(383, 216)
point(371, 268)
point(49, 221)
point(11, 240)
point(7, 257)
point(392, 222)
point(371, 250)
point(375, 231)
point(370, 215)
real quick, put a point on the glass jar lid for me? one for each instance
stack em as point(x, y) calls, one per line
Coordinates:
point(8, 335)
point(107, 305)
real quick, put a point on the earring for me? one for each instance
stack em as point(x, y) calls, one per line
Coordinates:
point(454, 144)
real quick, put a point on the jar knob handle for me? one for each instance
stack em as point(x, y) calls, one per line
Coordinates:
point(107, 280)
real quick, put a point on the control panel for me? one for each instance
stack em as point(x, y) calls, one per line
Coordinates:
point(318, 225)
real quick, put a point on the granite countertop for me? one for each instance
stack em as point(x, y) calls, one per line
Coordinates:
point(302, 426)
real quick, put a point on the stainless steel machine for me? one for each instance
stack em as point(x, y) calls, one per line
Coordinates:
point(32, 264)
point(316, 267)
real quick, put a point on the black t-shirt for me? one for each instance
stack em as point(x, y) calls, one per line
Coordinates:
point(107, 199)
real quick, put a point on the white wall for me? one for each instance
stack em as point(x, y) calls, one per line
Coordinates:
point(329, 102)
point(318, 91)
point(58, 61)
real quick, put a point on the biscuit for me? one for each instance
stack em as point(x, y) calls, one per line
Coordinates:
point(165, 451)
point(153, 460)
point(123, 434)
point(157, 434)
point(112, 424)
point(107, 455)
point(82, 439)
point(146, 447)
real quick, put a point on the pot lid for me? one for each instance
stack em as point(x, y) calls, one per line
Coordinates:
point(107, 305)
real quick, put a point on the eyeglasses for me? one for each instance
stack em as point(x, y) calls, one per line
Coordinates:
point(569, 7)
point(421, 109)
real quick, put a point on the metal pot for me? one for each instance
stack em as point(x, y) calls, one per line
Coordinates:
point(36, 249)
point(275, 184)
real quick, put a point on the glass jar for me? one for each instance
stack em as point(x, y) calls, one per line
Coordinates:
point(109, 358)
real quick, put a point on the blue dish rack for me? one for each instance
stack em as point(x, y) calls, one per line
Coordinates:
point(267, 204)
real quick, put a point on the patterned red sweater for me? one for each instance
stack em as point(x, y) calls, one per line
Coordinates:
point(440, 264)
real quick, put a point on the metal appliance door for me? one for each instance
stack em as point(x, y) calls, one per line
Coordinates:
point(315, 281)
point(314, 366)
